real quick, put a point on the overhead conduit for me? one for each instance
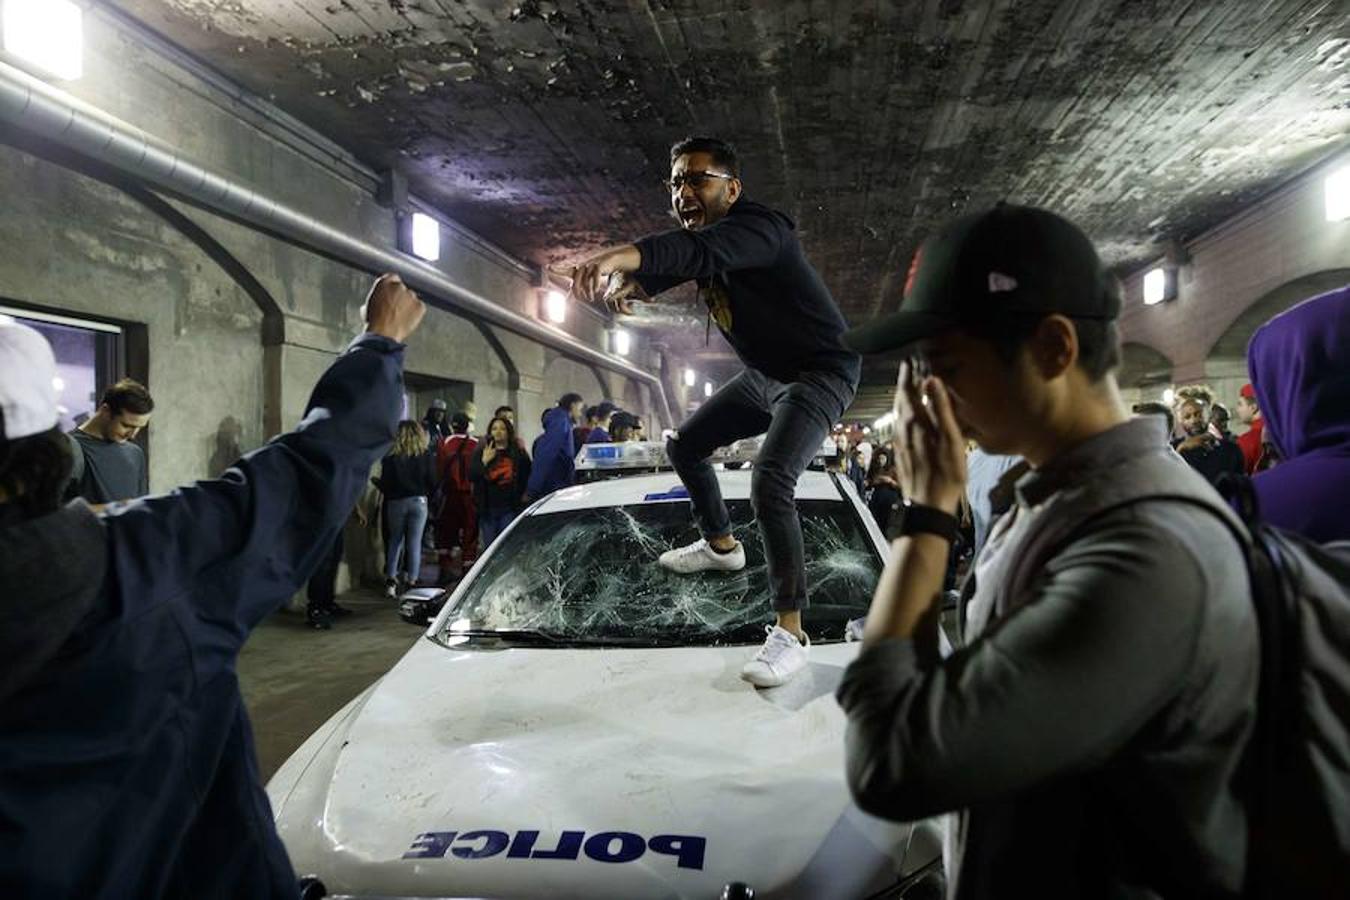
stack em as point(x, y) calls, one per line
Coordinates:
point(37, 107)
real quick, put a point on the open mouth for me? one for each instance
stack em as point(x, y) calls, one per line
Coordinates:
point(690, 215)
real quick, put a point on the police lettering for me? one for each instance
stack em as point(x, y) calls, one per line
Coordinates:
point(604, 846)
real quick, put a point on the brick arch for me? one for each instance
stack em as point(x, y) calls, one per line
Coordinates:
point(1142, 365)
point(1232, 344)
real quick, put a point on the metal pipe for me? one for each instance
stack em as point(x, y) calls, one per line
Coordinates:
point(35, 106)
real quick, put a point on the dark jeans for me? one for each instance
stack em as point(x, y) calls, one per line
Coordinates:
point(322, 588)
point(797, 417)
point(492, 523)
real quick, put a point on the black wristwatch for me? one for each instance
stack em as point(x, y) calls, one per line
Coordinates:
point(916, 519)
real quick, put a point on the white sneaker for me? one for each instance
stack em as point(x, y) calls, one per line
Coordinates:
point(700, 557)
point(778, 661)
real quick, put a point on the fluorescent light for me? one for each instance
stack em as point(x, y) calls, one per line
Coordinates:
point(1155, 286)
point(884, 421)
point(426, 237)
point(555, 307)
point(1168, 396)
point(690, 377)
point(1338, 195)
point(707, 388)
point(49, 34)
point(623, 342)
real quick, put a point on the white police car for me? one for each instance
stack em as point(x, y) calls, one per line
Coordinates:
point(574, 723)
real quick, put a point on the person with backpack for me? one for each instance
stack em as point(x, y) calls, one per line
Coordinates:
point(1299, 363)
point(456, 515)
point(499, 475)
point(1089, 735)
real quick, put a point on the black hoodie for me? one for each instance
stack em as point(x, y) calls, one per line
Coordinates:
point(759, 288)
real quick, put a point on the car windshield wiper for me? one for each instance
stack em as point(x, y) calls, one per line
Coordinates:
point(540, 638)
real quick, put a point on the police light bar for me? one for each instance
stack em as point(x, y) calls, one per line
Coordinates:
point(652, 454)
point(627, 455)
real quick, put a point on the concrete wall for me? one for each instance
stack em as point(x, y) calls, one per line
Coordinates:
point(71, 243)
point(1275, 253)
point(79, 245)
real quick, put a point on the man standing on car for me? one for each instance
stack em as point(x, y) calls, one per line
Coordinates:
point(127, 766)
point(775, 311)
point(1100, 707)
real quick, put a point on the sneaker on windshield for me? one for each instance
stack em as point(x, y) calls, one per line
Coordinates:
point(701, 557)
point(781, 658)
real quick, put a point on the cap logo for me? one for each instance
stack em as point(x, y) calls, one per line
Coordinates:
point(1000, 283)
point(913, 271)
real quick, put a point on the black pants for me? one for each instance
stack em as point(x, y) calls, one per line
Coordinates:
point(797, 418)
point(322, 587)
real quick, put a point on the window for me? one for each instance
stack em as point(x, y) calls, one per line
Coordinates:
point(89, 357)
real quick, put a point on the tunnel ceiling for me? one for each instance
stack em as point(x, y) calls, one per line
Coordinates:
point(545, 126)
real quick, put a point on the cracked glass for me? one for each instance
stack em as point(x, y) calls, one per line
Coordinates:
point(591, 576)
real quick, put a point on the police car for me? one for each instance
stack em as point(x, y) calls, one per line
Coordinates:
point(573, 723)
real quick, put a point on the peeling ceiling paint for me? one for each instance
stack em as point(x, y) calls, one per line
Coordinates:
point(545, 125)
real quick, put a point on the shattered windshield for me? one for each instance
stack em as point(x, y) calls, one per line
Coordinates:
point(591, 575)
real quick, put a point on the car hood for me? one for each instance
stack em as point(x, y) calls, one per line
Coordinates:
point(585, 772)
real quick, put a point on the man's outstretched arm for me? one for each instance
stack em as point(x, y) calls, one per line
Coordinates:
point(656, 263)
point(240, 545)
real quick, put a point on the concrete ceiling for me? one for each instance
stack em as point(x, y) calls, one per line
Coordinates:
point(545, 125)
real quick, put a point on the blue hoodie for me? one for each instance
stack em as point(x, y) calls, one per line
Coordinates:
point(127, 766)
point(1299, 364)
point(554, 455)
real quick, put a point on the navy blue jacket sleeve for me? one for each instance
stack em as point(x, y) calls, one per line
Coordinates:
point(239, 546)
point(752, 238)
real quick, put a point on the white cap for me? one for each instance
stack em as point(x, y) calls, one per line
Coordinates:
point(27, 393)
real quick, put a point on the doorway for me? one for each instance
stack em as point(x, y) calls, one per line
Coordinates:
point(420, 390)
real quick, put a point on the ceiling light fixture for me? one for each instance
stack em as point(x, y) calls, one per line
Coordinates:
point(1160, 283)
point(426, 237)
point(1338, 195)
point(555, 307)
point(46, 34)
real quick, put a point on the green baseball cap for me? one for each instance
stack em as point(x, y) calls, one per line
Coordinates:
point(1006, 260)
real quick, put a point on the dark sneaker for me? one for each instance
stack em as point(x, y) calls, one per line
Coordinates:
point(319, 619)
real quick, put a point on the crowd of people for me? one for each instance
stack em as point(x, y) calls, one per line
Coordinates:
point(446, 490)
point(1089, 737)
point(440, 488)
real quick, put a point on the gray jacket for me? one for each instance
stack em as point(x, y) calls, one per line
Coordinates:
point(1090, 732)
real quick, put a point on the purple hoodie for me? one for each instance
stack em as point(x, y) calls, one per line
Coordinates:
point(1299, 363)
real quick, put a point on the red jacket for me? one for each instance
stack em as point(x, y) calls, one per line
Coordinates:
point(453, 458)
point(1250, 442)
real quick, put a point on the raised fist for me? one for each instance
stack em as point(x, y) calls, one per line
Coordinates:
point(392, 308)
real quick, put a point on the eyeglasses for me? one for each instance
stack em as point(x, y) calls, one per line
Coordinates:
point(695, 180)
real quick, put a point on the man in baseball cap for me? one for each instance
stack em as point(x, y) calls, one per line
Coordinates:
point(1101, 699)
point(126, 758)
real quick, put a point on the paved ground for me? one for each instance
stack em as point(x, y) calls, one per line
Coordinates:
point(294, 678)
